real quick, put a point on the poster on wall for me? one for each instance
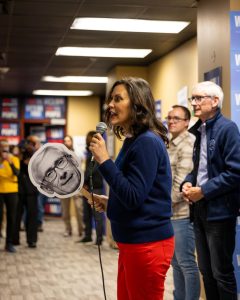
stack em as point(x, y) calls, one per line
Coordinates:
point(34, 108)
point(182, 96)
point(79, 146)
point(10, 131)
point(55, 134)
point(39, 131)
point(235, 66)
point(235, 112)
point(54, 108)
point(158, 109)
point(45, 108)
point(214, 75)
point(9, 108)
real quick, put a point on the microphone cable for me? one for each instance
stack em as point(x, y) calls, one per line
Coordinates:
point(92, 163)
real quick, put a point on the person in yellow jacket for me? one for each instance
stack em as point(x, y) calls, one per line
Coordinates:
point(9, 170)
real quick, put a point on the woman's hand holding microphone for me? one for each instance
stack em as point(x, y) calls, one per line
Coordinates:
point(99, 149)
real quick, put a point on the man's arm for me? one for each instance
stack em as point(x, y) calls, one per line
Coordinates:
point(229, 177)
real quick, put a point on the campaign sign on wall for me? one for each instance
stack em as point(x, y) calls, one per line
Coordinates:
point(235, 111)
point(34, 108)
point(9, 108)
point(235, 66)
point(9, 129)
point(45, 108)
point(54, 108)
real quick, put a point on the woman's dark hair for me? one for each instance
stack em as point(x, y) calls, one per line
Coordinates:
point(143, 116)
point(89, 137)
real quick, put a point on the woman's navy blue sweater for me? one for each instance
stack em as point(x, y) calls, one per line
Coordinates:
point(139, 205)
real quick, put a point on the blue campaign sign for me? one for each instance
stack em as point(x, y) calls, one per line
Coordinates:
point(55, 107)
point(236, 99)
point(9, 129)
point(235, 83)
point(33, 108)
point(235, 59)
point(235, 111)
point(235, 107)
point(235, 86)
point(235, 66)
point(235, 29)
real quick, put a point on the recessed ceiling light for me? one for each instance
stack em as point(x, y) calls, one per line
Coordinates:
point(4, 70)
point(62, 93)
point(129, 25)
point(85, 79)
point(103, 52)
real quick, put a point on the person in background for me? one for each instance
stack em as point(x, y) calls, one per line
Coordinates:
point(213, 190)
point(42, 201)
point(9, 171)
point(1, 219)
point(28, 201)
point(35, 142)
point(14, 150)
point(65, 203)
point(185, 270)
point(97, 181)
point(139, 203)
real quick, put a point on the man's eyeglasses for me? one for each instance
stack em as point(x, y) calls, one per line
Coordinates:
point(175, 119)
point(197, 99)
point(51, 173)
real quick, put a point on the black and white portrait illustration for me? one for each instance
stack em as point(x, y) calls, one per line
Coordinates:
point(56, 171)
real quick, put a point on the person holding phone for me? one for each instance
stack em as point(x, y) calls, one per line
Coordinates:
point(9, 171)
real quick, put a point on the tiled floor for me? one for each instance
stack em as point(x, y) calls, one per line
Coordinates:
point(59, 269)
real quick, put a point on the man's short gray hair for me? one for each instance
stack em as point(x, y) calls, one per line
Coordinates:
point(210, 89)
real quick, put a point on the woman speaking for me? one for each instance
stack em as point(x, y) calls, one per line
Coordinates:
point(139, 203)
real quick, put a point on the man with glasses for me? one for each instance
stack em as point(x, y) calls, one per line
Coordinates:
point(212, 189)
point(56, 171)
point(185, 269)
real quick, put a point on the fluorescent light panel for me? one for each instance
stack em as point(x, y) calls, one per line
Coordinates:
point(84, 79)
point(103, 52)
point(129, 25)
point(62, 93)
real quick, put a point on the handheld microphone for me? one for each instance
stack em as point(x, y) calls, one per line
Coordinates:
point(101, 127)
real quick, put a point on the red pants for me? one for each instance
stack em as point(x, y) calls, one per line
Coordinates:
point(142, 269)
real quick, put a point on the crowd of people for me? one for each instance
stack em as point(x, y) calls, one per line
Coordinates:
point(24, 202)
point(173, 191)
